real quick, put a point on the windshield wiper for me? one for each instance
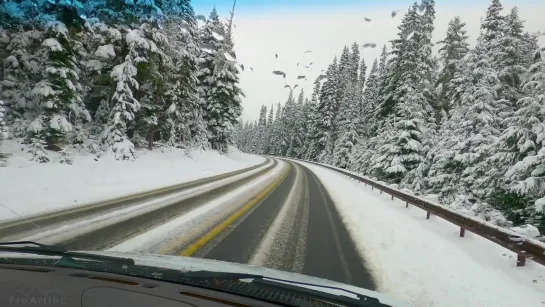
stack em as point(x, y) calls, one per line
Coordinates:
point(67, 256)
point(199, 277)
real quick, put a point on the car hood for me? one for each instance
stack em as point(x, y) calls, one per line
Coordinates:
point(196, 264)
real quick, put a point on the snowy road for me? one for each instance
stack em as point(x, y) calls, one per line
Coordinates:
point(276, 214)
point(295, 228)
point(97, 226)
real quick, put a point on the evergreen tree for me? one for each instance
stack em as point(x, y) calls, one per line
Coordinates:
point(468, 135)
point(276, 132)
point(526, 135)
point(360, 119)
point(369, 102)
point(210, 46)
point(298, 132)
point(327, 110)
point(312, 136)
point(223, 97)
point(20, 74)
point(125, 105)
point(355, 71)
point(492, 25)
point(403, 149)
point(58, 93)
point(184, 116)
point(508, 59)
point(152, 77)
point(261, 127)
point(268, 134)
point(347, 128)
point(454, 48)
point(364, 148)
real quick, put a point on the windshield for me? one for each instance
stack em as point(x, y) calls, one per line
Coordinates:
point(390, 146)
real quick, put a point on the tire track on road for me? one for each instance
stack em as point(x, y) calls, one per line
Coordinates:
point(296, 228)
point(15, 229)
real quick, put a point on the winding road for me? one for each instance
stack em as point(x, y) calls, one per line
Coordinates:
point(276, 214)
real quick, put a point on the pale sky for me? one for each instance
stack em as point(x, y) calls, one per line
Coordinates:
point(290, 27)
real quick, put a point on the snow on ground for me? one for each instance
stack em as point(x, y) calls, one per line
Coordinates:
point(30, 188)
point(425, 262)
point(91, 223)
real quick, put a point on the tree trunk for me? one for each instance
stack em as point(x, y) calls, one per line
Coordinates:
point(150, 140)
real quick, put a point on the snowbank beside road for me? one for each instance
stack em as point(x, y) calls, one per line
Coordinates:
point(424, 262)
point(31, 188)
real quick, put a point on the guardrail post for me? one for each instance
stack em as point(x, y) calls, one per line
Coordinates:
point(371, 187)
point(428, 215)
point(380, 191)
point(406, 204)
point(462, 232)
point(521, 259)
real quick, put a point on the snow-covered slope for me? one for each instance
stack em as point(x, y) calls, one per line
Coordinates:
point(425, 262)
point(28, 187)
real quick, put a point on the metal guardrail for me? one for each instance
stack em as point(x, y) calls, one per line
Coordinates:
point(525, 248)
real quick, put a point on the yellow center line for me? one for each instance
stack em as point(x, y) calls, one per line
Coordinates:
point(191, 249)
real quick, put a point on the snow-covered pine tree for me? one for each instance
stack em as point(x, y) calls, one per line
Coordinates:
point(509, 60)
point(365, 145)
point(20, 71)
point(296, 146)
point(370, 102)
point(277, 131)
point(348, 136)
point(269, 132)
point(513, 145)
point(492, 25)
point(58, 94)
point(312, 136)
point(210, 36)
point(270, 119)
point(252, 138)
point(347, 120)
point(183, 117)
point(360, 106)
point(327, 110)
point(467, 137)
point(343, 76)
point(527, 136)
point(223, 102)
point(287, 119)
point(454, 48)
point(303, 127)
point(154, 67)
point(355, 70)
point(403, 150)
point(262, 129)
point(124, 104)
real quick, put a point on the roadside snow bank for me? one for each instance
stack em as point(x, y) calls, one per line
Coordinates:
point(29, 188)
point(425, 262)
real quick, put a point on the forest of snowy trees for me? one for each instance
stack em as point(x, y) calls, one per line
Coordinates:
point(112, 76)
point(467, 124)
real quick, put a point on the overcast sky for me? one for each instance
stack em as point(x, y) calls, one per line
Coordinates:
point(290, 27)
